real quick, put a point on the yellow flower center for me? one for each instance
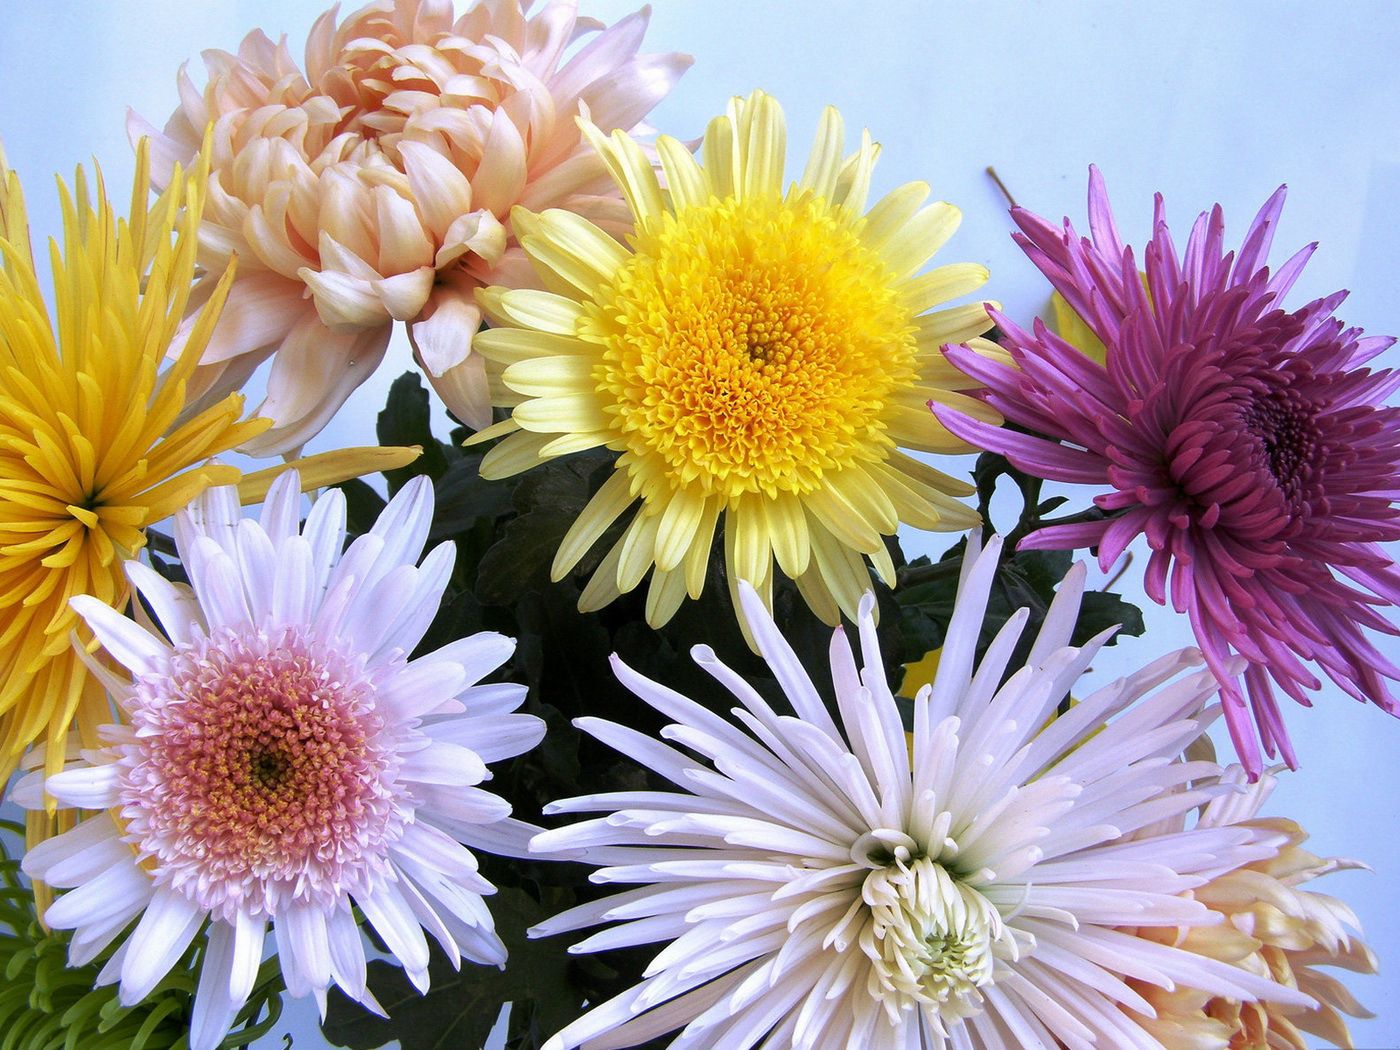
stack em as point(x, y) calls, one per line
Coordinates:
point(751, 345)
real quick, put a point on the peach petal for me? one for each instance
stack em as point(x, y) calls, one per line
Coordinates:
point(443, 338)
point(441, 190)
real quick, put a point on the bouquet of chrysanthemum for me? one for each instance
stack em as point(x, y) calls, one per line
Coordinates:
point(284, 752)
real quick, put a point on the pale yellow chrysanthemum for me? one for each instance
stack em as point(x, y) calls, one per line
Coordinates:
point(1273, 927)
point(755, 354)
point(92, 449)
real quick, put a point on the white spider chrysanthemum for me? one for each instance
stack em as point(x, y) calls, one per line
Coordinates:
point(282, 758)
point(822, 884)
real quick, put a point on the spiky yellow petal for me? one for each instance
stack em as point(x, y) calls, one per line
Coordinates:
point(92, 450)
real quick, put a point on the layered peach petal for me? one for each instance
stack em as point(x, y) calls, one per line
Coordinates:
point(1274, 928)
point(373, 184)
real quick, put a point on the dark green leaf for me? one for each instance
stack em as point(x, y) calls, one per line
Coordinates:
point(406, 420)
point(463, 1007)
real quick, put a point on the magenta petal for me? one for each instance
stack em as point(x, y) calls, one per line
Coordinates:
point(1246, 441)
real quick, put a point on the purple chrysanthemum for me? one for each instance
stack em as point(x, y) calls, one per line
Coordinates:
point(1246, 442)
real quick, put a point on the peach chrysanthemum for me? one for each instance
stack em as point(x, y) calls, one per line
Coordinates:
point(760, 355)
point(375, 185)
point(92, 446)
point(1274, 928)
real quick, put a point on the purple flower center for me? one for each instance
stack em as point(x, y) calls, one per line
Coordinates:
point(1283, 421)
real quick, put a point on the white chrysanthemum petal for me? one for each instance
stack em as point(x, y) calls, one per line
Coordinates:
point(392, 918)
point(294, 598)
point(406, 630)
point(422, 687)
point(257, 568)
point(446, 764)
point(114, 892)
point(135, 649)
point(348, 965)
point(82, 854)
point(249, 933)
point(821, 882)
point(217, 584)
point(215, 1007)
point(479, 655)
point(492, 737)
point(281, 508)
point(87, 787)
point(325, 767)
point(174, 606)
point(167, 926)
point(325, 532)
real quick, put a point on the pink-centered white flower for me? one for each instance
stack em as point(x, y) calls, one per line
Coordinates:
point(374, 184)
point(281, 759)
point(816, 882)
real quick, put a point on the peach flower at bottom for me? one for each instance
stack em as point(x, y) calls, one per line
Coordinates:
point(1274, 928)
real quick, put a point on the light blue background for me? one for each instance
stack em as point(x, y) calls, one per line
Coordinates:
point(1201, 100)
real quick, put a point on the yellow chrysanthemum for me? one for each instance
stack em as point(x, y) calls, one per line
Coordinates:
point(91, 447)
point(758, 355)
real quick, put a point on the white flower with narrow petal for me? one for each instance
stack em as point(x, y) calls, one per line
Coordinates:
point(819, 883)
point(282, 758)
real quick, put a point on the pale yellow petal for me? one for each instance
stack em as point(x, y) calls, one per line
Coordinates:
point(679, 520)
point(842, 520)
point(638, 550)
point(862, 492)
point(764, 148)
point(601, 589)
point(891, 212)
point(957, 324)
point(824, 164)
point(841, 569)
point(515, 454)
point(751, 555)
point(630, 169)
point(910, 498)
point(818, 595)
point(697, 559)
point(664, 597)
point(942, 285)
point(506, 346)
point(786, 525)
point(569, 443)
point(915, 427)
point(491, 433)
point(916, 241)
point(721, 158)
point(329, 468)
point(685, 181)
point(567, 413)
point(853, 182)
point(550, 376)
point(606, 506)
point(541, 311)
point(574, 249)
point(929, 476)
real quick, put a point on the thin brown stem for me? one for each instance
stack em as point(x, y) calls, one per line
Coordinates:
point(1127, 564)
point(1002, 186)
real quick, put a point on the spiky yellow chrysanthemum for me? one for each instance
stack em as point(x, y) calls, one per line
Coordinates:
point(92, 449)
point(755, 353)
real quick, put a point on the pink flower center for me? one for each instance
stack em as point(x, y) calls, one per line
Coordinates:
point(1249, 453)
point(259, 770)
point(1283, 423)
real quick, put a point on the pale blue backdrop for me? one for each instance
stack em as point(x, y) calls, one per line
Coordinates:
point(1201, 100)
